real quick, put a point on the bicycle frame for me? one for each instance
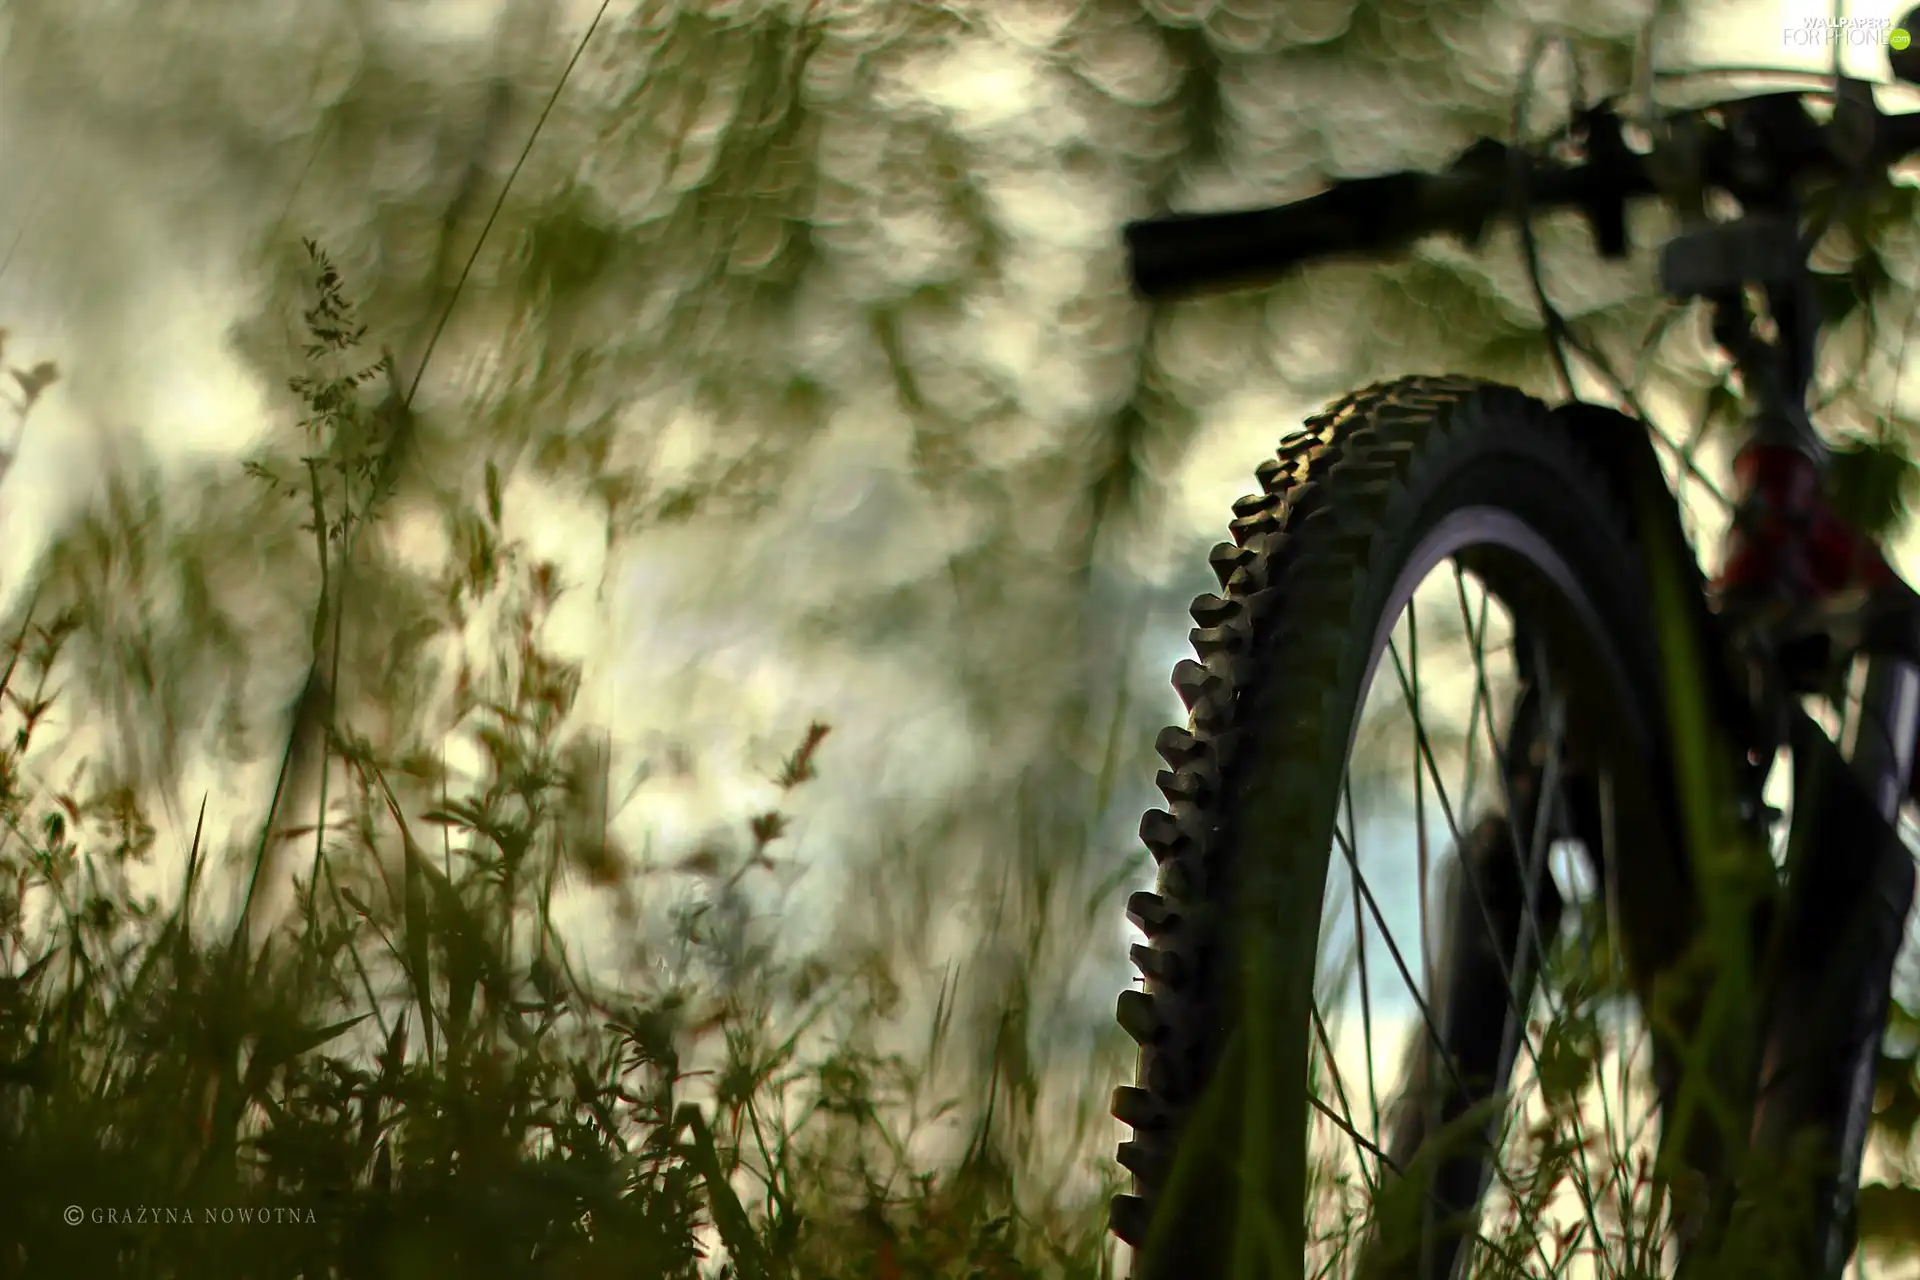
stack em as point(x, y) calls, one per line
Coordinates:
point(1855, 879)
point(1883, 760)
point(1799, 591)
point(1849, 891)
point(1850, 881)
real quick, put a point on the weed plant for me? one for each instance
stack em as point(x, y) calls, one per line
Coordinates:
point(407, 1072)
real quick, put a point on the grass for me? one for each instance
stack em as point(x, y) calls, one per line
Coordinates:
point(406, 1071)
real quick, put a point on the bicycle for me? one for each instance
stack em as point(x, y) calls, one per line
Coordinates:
point(1764, 980)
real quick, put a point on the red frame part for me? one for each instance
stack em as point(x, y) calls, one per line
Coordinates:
point(1787, 540)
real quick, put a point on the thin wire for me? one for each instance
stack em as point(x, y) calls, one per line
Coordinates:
point(1556, 324)
point(319, 141)
point(21, 231)
point(447, 312)
point(313, 671)
point(1833, 37)
point(39, 195)
point(1560, 334)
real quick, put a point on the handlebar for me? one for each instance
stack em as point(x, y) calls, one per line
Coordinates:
point(1190, 253)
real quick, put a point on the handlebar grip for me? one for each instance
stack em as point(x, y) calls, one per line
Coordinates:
point(1191, 253)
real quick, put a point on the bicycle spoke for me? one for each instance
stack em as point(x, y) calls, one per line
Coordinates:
point(1456, 726)
point(1399, 961)
point(1425, 757)
point(1345, 1119)
point(1346, 1126)
point(1424, 858)
point(1366, 989)
point(1426, 1015)
point(1515, 1009)
point(1475, 641)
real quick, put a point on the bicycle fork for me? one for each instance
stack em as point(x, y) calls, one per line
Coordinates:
point(1850, 888)
point(1850, 881)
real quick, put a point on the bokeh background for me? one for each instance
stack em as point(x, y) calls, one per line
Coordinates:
point(800, 337)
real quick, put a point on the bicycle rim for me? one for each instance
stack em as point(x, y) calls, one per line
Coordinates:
point(1355, 514)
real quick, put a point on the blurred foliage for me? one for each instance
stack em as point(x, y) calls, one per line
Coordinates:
point(413, 1072)
point(876, 232)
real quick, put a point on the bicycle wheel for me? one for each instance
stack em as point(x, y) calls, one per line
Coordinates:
point(1397, 504)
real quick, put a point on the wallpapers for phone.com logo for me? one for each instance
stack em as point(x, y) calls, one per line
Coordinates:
point(1824, 33)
